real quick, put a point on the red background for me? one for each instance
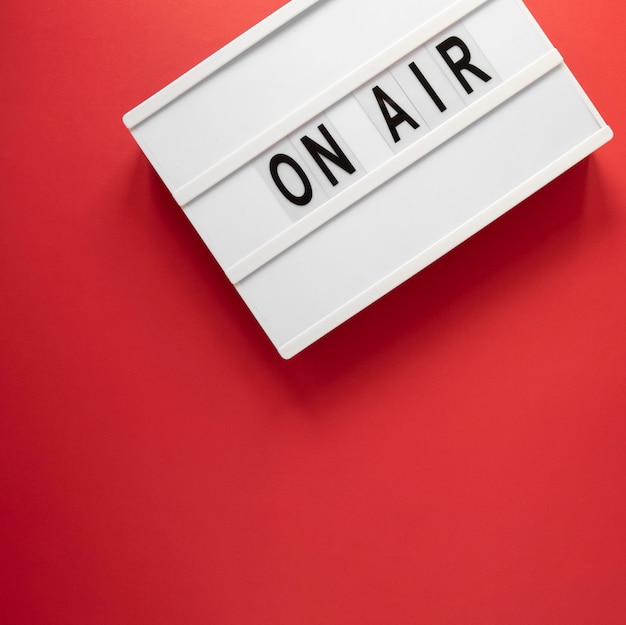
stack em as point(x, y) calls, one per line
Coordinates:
point(454, 454)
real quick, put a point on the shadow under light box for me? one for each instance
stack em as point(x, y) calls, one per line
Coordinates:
point(337, 148)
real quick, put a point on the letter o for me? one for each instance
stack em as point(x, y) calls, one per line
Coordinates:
point(307, 193)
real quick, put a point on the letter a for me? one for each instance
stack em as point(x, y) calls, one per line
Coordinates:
point(393, 121)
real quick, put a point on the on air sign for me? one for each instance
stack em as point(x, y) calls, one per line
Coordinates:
point(403, 104)
point(339, 147)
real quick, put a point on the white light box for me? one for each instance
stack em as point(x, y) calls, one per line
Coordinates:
point(340, 146)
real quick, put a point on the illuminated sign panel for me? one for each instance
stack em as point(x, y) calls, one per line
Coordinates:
point(325, 159)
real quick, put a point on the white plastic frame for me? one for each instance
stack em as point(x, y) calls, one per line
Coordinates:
point(232, 161)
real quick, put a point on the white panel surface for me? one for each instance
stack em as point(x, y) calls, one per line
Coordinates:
point(340, 146)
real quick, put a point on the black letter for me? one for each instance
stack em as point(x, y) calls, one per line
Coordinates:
point(338, 157)
point(463, 64)
point(401, 115)
point(428, 87)
point(307, 194)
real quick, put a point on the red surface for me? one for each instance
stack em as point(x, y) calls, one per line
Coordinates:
point(454, 454)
